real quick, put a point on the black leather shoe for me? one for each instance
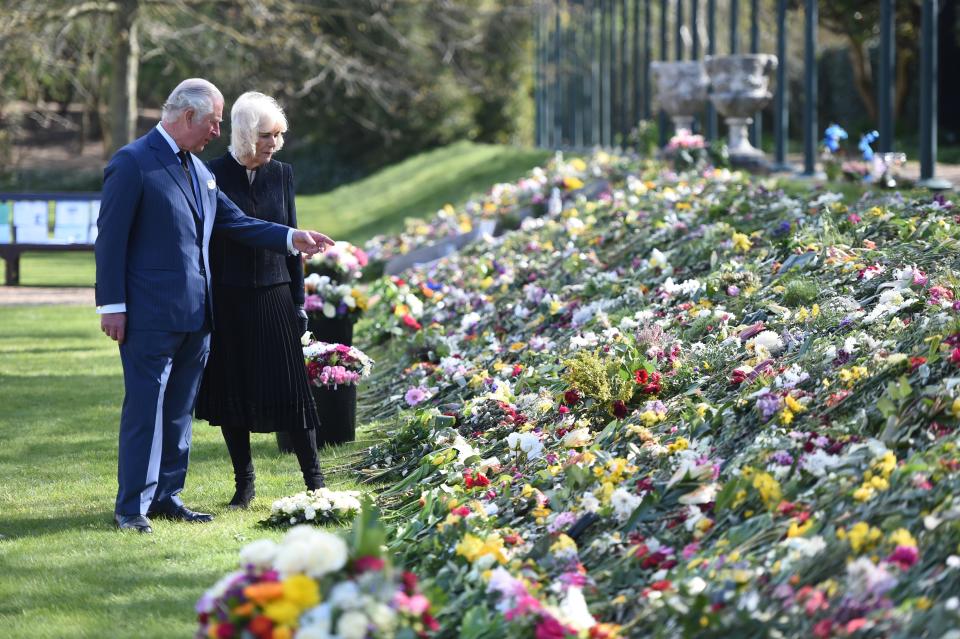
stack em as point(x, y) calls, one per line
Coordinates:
point(182, 513)
point(243, 496)
point(133, 522)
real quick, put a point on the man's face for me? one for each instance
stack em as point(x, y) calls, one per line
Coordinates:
point(201, 129)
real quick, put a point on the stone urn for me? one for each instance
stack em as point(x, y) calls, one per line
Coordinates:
point(681, 90)
point(739, 87)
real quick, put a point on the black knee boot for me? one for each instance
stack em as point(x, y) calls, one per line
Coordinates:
point(238, 445)
point(305, 446)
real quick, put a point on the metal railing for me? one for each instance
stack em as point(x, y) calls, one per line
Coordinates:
point(592, 71)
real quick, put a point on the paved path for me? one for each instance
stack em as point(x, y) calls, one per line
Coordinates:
point(24, 295)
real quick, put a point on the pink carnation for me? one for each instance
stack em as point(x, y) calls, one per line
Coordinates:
point(413, 604)
point(904, 556)
point(414, 396)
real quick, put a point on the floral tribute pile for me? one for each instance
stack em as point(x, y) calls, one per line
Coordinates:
point(325, 298)
point(536, 192)
point(691, 406)
point(341, 262)
point(315, 585)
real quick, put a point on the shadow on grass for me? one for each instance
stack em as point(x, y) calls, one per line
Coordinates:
point(23, 527)
point(50, 349)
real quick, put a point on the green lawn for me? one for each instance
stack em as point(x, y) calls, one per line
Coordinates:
point(416, 187)
point(66, 571)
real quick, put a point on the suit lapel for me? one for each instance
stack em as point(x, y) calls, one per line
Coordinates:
point(171, 164)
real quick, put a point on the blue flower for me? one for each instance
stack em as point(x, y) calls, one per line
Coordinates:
point(865, 142)
point(832, 137)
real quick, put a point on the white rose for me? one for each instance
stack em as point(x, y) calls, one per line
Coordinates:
point(312, 552)
point(352, 625)
point(383, 617)
point(577, 437)
point(345, 595)
point(259, 554)
point(574, 610)
point(315, 623)
point(329, 310)
point(768, 340)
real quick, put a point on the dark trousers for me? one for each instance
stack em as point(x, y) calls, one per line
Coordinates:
point(304, 446)
point(161, 375)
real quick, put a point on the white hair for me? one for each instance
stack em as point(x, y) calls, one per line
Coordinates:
point(252, 113)
point(193, 93)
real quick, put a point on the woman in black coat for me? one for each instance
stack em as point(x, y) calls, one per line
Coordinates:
point(255, 379)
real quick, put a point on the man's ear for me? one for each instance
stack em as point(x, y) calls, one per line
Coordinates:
point(188, 116)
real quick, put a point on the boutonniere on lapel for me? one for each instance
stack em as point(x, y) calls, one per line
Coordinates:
point(211, 184)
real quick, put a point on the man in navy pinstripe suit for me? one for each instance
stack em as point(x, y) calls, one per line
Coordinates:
point(159, 207)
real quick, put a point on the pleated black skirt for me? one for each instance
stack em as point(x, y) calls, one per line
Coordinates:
point(255, 379)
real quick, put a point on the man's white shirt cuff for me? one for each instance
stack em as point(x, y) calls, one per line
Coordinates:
point(290, 249)
point(112, 308)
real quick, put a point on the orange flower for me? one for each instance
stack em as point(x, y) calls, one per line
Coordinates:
point(263, 592)
point(244, 610)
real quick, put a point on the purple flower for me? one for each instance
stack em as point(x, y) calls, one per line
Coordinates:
point(782, 458)
point(733, 290)
point(562, 521)
point(783, 228)
point(414, 396)
point(768, 404)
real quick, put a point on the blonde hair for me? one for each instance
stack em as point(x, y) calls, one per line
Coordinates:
point(250, 112)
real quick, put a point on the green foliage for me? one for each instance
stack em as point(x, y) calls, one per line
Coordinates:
point(599, 378)
point(800, 292)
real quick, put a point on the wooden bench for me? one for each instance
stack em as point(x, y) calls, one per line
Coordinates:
point(24, 225)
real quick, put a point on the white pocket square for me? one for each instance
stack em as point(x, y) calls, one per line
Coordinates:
point(211, 184)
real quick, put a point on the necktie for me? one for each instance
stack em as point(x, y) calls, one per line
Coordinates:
point(184, 162)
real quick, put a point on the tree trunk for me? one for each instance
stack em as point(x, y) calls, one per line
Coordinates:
point(862, 77)
point(123, 81)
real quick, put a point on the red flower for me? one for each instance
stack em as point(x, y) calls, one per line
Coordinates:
point(917, 362)
point(654, 386)
point(471, 480)
point(517, 369)
point(619, 409)
point(261, 626)
point(368, 563)
point(571, 397)
point(904, 556)
point(225, 630)
point(823, 629)
point(550, 628)
point(738, 376)
point(409, 582)
point(461, 511)
point(563, 410)
point(640, 376)
point(429, 622)
point(661, 585)
point(411, 323)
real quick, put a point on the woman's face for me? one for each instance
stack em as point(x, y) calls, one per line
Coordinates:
point(267, 143)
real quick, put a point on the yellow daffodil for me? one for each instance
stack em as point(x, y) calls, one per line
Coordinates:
point(741, 242)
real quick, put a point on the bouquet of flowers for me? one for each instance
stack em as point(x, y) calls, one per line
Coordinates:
point(315, 585)
point(326, 298)
point(320, 506)
point(335, 364)
point(342, 262)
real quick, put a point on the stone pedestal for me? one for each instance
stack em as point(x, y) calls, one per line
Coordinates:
point(681, 90)
point(739, 88)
